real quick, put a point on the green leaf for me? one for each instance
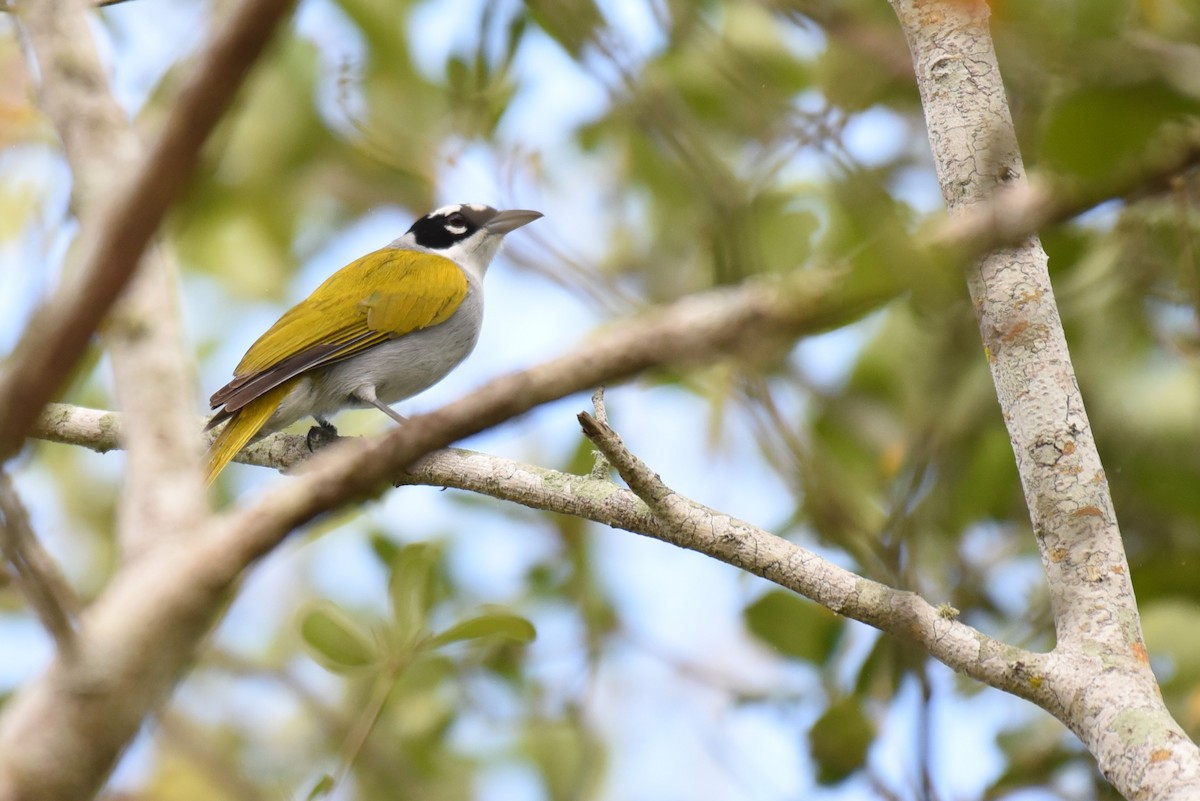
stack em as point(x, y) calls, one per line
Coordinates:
point(794, 626)
point(322, 789)
point(492, 624)
point(1167, 623)
point(410, 587)
point(1092, 132)
point(839, 740)
point(571, 23)
point(385, 550)
point(565, 757)
point(336, 640)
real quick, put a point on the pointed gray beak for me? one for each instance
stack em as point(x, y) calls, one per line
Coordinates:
point(510, 220)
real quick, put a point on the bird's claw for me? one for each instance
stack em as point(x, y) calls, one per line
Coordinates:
point(322, 434)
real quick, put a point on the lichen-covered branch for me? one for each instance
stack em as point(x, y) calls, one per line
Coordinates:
point(1110, 698)
point(691, 525)
point(655, 511)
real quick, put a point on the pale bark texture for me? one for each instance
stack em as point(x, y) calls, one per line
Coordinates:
point(1103, 687)
point(61, 735)
point(144, 333)
point(118, 659)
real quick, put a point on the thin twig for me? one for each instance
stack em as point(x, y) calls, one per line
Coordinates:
point(43, 585)
point(644, 482)
point(356, 738)
point(601, 468)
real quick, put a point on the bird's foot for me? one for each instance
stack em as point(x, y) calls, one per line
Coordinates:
point(324, 433)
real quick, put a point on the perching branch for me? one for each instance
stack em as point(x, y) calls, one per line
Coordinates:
point(655, 511)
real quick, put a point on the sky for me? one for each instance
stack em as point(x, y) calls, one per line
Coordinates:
point(671, 738)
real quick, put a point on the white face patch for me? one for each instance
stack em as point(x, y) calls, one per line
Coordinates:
point(453, 207)
point(456, 229)
point(446, 211)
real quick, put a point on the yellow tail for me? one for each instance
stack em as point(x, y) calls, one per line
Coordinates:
point(241, 428)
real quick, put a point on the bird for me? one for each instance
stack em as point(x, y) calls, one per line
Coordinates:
point(381, 329)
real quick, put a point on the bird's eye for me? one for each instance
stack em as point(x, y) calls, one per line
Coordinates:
point(456, 220)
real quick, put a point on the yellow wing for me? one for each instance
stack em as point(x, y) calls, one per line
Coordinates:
point(383, 295)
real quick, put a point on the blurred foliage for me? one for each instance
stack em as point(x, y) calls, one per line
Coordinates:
point(736, 138)
point(798, 629)
point(839, 740)
point(402, 646)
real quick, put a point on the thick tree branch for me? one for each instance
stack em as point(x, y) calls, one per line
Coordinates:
point(92, 700)
point(59, 331)
point(144, 337)
point(975, 150)
point(1103, 673)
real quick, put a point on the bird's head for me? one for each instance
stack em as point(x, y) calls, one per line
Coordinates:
point(467, 233)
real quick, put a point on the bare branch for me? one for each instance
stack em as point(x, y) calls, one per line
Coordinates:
point(662, 514)
point(456, 468)
point(44, 586)
point(600, 468)
point(685, 523)
point(96, 429)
